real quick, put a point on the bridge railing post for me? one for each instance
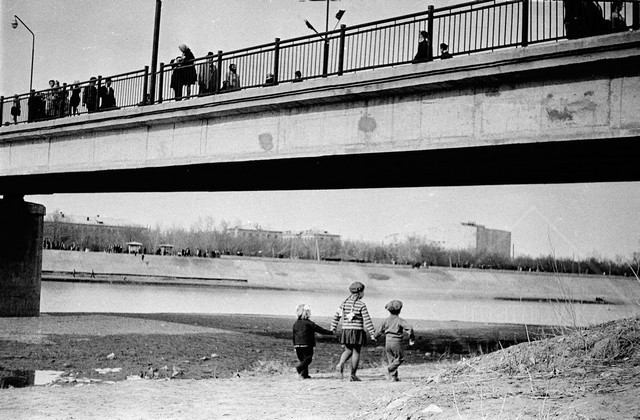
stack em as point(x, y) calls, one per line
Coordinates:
point(343, 29)
point(145, 86)
point(30, 106)
point(64, 101)
point(276, 61)
point(635, 12)
point(525, 23)
point(219, 72)
point(96, 106)
point(160, 83)
point(325, 57)
point(430, 9)
point(1, 108)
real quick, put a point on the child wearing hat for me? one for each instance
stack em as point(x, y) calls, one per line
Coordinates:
point(304, 339)
point(394, 328)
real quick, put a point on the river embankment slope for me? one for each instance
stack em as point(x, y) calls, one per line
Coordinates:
point(285, 274)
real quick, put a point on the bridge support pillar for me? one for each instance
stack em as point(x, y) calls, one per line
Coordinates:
point(20, 256)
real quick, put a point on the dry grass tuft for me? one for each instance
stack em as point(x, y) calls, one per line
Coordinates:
point(268, 367)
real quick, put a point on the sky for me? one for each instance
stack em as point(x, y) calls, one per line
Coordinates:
point(77, 39)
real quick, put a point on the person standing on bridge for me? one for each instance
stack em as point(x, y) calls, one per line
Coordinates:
point(444, 51)
point(74, 101)
point(424, 49)
point(232, 79)
point(90, 96)
point(15, 109)
point(618, 22)
point(51, 99)
point(107, 95)
point(176, 78)
point(188, 71)
point(207, 76)
point(355, 323)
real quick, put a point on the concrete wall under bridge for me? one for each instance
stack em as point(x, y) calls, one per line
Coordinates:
point(559, 112)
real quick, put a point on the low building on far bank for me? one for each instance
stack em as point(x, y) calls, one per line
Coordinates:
point(312, 243)
point(473, 238)
point(134, 247)
point(256, 233)
point(91, 233)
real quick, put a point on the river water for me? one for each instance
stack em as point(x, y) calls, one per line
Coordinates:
point(134, 298)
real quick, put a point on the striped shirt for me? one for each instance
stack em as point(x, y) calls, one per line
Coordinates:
point(355, 316)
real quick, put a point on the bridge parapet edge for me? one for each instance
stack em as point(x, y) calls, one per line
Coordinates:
point(555, 60)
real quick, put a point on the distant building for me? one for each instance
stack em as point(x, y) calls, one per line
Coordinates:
point(471, 237)
point(256, 233)
point(134, 247)
point(306, 235)
point(165, 249)
point(94, 233)
point(312, 243)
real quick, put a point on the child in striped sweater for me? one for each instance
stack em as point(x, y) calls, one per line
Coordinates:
point(356, 322)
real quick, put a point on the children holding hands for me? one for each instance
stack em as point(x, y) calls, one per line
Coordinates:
point(356, 325)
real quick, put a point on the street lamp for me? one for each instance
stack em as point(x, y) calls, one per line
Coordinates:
point(154, 53)
point(14, 25)
point(339, 15)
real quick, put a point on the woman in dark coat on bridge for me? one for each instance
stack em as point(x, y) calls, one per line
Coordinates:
point(187, 71)
point(424, 48)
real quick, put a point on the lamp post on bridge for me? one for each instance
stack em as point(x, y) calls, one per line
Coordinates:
point(154, 54)
point(325, 63)
point(14, 25)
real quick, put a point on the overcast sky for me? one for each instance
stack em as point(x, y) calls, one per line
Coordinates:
point(76, 39)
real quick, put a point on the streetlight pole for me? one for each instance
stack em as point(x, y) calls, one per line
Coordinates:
point(326, 25)
point(14, 25)
point(154, 53)
point(325, 63)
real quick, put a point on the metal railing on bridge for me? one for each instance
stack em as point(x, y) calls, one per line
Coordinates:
point(466, 28)
point(94, 95)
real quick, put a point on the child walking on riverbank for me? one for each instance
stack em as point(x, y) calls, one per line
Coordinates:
point(394, 328)
point(356, 322)
point(304, 339)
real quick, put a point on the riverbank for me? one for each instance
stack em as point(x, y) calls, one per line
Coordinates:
point(326, 276)
point(205, 346)
point(245, 366)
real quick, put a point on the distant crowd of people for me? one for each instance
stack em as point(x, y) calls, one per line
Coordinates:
point(59, 101)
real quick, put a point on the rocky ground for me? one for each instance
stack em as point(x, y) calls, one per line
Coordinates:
point(222, 366)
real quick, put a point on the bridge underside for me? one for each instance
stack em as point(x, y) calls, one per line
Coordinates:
point(602, 160)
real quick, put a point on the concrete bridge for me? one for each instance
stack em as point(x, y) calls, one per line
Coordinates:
point(559, 112)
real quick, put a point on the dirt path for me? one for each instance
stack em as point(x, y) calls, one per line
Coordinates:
point(260, 397)
point(325, 397)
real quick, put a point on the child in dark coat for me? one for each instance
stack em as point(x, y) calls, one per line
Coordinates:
point(394, 328)
point(304, 339)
